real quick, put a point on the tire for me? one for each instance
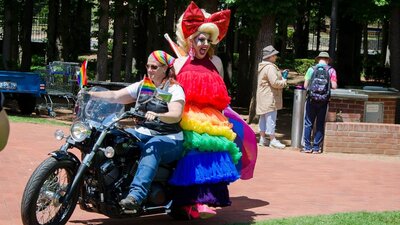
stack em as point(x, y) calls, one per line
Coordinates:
point(26, 104)
point(40, 205)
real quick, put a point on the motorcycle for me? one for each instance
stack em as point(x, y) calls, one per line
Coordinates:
point(109, 160)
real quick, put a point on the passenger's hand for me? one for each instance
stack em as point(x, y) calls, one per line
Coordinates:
point(150, 116)
point(285, 74)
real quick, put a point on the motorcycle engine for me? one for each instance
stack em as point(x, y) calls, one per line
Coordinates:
point(110, 172)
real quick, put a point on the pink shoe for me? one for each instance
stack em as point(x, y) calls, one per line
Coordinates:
point(191, 212)
point(204, 211)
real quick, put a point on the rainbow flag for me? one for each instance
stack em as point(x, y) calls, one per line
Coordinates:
point(82, 78)
point(148, 87)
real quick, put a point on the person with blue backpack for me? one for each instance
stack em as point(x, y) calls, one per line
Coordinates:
point(318, 81)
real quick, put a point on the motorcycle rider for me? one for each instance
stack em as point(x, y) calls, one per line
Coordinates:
point(162, 137)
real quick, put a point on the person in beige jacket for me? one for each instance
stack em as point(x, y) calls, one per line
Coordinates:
point(269, 96)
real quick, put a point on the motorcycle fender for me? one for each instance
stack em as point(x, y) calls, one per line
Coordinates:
point(60, 155)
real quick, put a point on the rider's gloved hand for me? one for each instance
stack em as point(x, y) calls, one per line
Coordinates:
point(285, 74)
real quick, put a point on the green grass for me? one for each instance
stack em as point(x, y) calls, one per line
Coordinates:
point(357, 218)
point(27, 119)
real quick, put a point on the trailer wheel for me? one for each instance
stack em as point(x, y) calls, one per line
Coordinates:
point(26, 104)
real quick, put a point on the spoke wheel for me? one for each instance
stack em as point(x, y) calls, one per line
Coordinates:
point(42, 199)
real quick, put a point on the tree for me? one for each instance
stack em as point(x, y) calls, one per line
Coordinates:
point(260, 20)
point(394, 44)
point(102, 52)
point(302, 29)
point(119, 17)
point(52, 21)
point(10, 36)
point(265, 37)
point(26, 33)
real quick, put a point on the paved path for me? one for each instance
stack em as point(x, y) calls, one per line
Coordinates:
point(286, 183)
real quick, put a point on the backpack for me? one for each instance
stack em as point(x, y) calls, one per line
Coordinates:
point(319, 89)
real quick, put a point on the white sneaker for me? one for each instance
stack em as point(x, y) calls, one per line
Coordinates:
point(276, 144)
point(263, 142)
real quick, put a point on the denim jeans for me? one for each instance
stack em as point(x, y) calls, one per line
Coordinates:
point(155, 150)
point(314, 112)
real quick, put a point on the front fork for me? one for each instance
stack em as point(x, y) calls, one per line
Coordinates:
point(85, 165)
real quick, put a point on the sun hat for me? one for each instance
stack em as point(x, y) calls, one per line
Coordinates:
point(269, 51)
point(323, 55)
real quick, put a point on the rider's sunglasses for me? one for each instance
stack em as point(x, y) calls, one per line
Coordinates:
point(153, 67)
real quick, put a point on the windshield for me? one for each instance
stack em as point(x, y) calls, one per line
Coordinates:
point(94, 110)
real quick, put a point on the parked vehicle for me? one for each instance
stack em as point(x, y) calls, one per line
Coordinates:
point(25, 87)
point(101, 178)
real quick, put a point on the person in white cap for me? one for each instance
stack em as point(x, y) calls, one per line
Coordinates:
point(269, 96)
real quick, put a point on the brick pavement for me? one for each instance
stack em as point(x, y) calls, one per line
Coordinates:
point(286, 183)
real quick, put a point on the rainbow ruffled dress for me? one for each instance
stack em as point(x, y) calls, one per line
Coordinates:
point(211, 155)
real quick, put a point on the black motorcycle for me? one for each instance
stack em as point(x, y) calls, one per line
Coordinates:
point(97, 182)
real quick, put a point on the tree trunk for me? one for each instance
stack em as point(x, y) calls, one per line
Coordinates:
point(10, 36)
point(244, 82)
point(52, 20)
point(129, 45)
point(302, 29)
point(227, 60)
point(281, 39)
point(153, 32)
point(118, 40)
point(395, 45)
point(82, 27)
point(265, 37)
point(385, 42)
point(65, 30)
point(141, 38)
point(169, 24)
point(348, 54)
point(365, 45)
point(26, 33)
point(321, 21)
point(102, 52)
point(333, 31)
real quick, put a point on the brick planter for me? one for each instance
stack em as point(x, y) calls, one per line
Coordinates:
point(364, 138)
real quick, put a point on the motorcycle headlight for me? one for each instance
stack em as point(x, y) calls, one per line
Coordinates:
point(109, 152)
point(79, 131)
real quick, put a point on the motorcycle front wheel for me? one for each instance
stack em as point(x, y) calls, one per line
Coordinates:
point(42, 199)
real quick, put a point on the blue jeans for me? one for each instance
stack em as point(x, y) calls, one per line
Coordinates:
point(314, 112)
point(155, 150)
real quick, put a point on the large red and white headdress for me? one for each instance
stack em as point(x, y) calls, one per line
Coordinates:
point(195, 21)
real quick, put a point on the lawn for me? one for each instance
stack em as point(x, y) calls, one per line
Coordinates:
point(357, 218)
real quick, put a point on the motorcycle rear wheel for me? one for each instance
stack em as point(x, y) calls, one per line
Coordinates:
point(41, 198)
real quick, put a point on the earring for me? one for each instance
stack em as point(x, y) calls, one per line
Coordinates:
point(191, 52)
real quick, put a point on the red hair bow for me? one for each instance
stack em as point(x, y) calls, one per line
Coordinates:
point(193, 18)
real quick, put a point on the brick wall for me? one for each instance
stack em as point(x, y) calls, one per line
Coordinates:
point(353, 110)
point(365, 138)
